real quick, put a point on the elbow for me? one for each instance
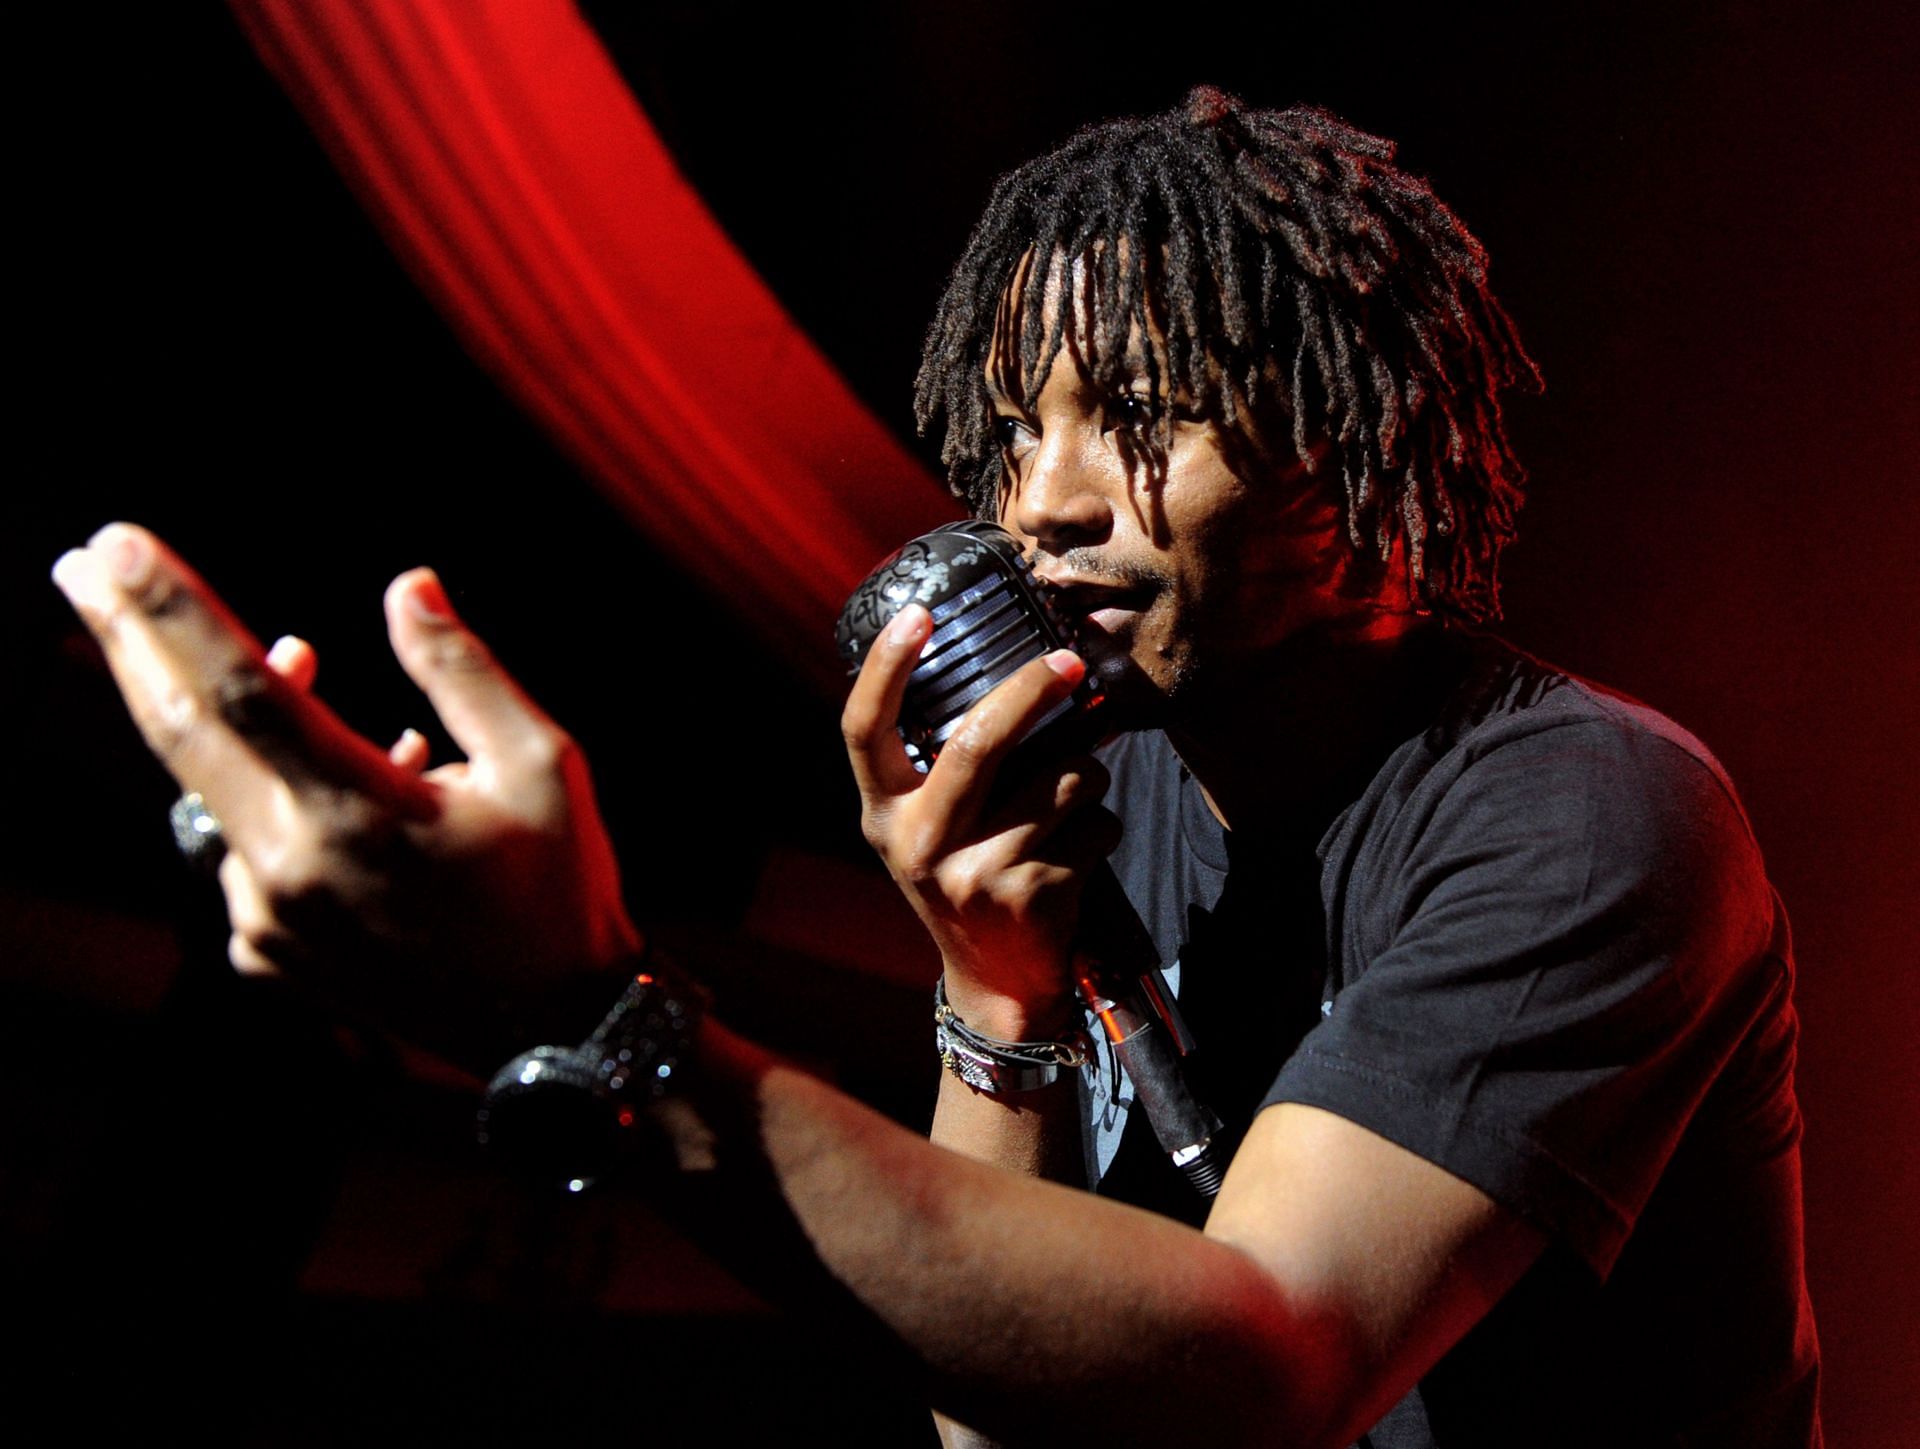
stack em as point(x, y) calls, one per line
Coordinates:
point(1286, 1367)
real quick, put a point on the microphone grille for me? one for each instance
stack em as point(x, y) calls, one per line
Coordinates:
point(990, 616)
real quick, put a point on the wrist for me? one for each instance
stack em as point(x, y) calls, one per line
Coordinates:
point(1012, 1018)
point(565, 1007)
point(567, 1113)
point(1000, 1066)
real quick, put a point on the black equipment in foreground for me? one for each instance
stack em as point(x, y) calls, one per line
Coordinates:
point(990, 617)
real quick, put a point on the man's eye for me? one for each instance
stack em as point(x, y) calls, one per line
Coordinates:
point(1011, 433)
point(1137, 411)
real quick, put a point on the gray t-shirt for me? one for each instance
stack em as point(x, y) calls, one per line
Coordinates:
point(1538, 948)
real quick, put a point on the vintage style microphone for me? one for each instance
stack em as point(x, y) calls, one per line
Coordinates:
point(990, 617)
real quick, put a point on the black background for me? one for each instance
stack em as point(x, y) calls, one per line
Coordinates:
point(1702, 217)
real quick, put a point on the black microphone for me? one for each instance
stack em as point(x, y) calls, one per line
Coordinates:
point(990, 617)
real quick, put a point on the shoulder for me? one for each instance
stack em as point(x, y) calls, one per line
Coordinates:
point(1540, 804)
point(1550, 932)
point(1524, 745)
point(1507, 695)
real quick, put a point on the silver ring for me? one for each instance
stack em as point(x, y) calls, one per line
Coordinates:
point(196, 830)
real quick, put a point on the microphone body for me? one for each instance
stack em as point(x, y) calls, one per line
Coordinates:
point(990, 617)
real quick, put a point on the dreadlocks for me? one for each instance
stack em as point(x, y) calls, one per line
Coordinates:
point(1288, 272)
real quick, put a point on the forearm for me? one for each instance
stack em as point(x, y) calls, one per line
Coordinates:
point(1035, 1134)
point(1036, 1310)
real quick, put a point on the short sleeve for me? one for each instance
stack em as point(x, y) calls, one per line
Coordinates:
point(1562, 950)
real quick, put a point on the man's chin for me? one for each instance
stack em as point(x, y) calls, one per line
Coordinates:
point(1133, 700)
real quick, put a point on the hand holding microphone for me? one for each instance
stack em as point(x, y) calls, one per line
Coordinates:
point(1009, 874)
point(991, 853)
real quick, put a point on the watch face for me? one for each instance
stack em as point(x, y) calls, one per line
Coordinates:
point(544, 1119)
point(569, 1115)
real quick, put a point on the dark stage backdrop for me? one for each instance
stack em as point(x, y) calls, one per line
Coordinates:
point(1703, 218)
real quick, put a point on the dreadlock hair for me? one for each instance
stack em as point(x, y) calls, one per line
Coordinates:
point(1288, 272)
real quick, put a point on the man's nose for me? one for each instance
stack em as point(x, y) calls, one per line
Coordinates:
point(1060, 500)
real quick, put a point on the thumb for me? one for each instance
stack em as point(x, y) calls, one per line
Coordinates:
point(488, 715)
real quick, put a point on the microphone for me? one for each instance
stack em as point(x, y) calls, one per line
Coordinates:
point(990, 617)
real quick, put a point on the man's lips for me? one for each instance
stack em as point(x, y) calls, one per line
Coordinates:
point(1106, 606)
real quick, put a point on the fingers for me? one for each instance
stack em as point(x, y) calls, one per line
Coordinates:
point(880, 764)
point(410, 752)
point(487, 713)
point(958, 786)
point(293, 659)
point(949, 800)
point(255, 931)
point(972, 754)
point(1054, 790)
point(1080, 841)
point(220, 717)
point(1052, 829)
point(168, 717)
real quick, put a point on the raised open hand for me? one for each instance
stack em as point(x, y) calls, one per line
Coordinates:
point(431, 898)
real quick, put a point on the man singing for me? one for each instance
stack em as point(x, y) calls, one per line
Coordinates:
point(1488, 984)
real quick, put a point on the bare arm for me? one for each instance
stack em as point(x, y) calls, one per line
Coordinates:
point(960, 878)
point(1335, 1268)
point(1035, 1134)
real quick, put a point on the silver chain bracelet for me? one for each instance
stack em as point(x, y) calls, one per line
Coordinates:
point(988, 1064)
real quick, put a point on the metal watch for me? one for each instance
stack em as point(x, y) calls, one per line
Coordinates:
point(567, 1114)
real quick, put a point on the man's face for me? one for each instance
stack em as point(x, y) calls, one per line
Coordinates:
point(1179, 554)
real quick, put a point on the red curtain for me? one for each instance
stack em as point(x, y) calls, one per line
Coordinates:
point(509, 165)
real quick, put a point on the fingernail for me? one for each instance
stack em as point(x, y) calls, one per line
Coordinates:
point(128, 556)
point(284, 651)
point(77, 573)
point(1067, 664)
point(906, 626)
point(409, 751)
point(427, 600)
